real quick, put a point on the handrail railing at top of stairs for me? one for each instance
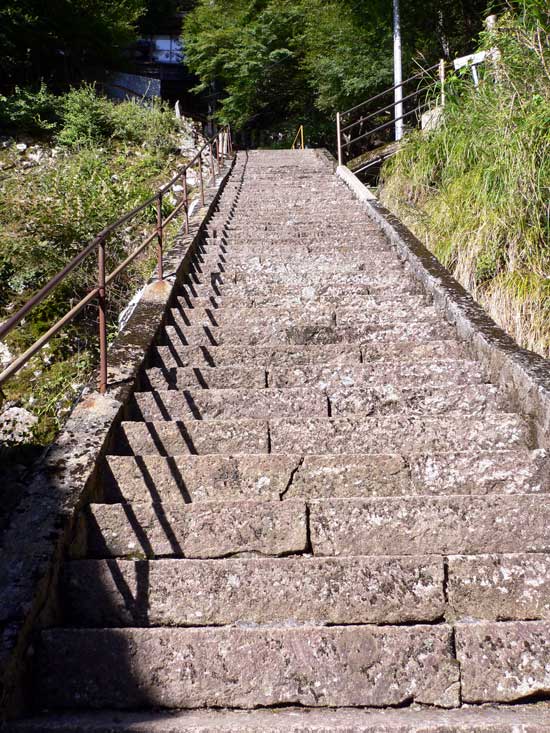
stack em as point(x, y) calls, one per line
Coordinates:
point(343, 143)
point(219, 145)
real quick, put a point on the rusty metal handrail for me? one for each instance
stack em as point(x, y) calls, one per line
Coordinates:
point(219, 146)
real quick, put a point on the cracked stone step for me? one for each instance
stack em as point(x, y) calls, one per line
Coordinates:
point(438, 525)
point(503, 661)
point(208, 404)
point(531, 718)
point(500, 586)
point(452, 432)
point(193, 437)
point(179, 355)
point(244, 668)
point(187, 478)
point(204, 530)
point(198, 478)
point(435, 372)
point(255, 590)
point(304, 334)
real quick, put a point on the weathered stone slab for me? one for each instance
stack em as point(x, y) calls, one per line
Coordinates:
point(233, 377)
point(452, 432)
point(350, 475)
point(444, 372)
point(254, 318)
point(412, 350)
point(224, 667)
point(259, 590)
point(397, 399)
point(385, 314)
point(198, 478)
point(203, 530)
point(532, 718)
point(194, 436)
point(503, 662)
point(429, 525)
point(481, 472)
point(305, 334)
point(208, 404)
point(500, 587)
point(178, 355)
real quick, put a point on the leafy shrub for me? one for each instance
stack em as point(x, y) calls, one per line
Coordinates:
point(85, 118)
point(28, 110)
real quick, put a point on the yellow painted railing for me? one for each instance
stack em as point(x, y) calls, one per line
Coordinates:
point(300, 136)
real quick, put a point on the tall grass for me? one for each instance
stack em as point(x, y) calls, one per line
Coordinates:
point(477, 189)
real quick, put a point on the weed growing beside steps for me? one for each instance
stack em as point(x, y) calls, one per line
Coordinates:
point(102, 159)
point(477, 190)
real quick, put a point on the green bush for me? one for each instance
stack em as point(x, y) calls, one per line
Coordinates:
point(29, 110)
point(85, 118)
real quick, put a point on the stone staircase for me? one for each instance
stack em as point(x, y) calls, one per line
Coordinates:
point(319, 516)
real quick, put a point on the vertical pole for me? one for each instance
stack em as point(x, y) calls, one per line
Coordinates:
point(230, 141)
point(102, 304)
point(201, 179)
point(212, 163)
point(223, 147)
point(218, 152)
point(397, 72)
point(160, 271)
point(339, 138)
point(302, 136)
point(186, 199)
point(442, 80)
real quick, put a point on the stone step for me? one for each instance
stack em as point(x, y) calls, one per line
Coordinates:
point(451, 432)
point(247, 667)
point(530, 718)
point(395, 590)
point(499, 586)
point(385, 399)
point(304, 334)
point(272, 355)
point(178, 355)
point(423, 525)
point(194, 437)
point(503, 662)
point(201, 404)
point(255, 318)
point(435, 372)
point(206, 377)
point(301, 299)
point(187, 478)
point(198, 478)
point(204, 530)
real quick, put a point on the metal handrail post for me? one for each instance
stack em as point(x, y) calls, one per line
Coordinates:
point(302, 136)
point(339, 137)
point(442, 80)
point(201, 180)
point(213, 174)
point(102, 306)
point(186, 205)
point(160, 270)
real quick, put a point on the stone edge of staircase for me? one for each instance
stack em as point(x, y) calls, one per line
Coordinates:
point(63, 478)
point(524, 374)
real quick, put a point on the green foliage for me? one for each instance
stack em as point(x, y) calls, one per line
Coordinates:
point(275, 61)
point(49, 212)
point(477, 189)
point(60, 38)
point(28, 110)
point(85, 118)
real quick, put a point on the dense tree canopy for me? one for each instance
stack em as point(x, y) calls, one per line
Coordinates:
point(303, 59)
point(58, 39)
